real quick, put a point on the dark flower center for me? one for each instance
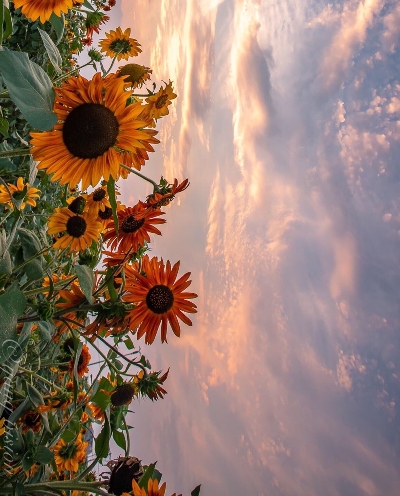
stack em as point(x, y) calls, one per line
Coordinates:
point(122, 395)
point(159, 299)
point(32, 419)
point(130, 224)
point(78, 205)
point(90, 130)
point(120, 46)
point(99, 194)
point(76, 226)
point(106, 213)
point(122, 474)
point(161, 101)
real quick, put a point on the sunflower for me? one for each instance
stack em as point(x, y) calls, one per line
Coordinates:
point(96, 412)
point(135, 74)
point(95, 128)
point(118, 44)
point(138, 158)
point(68, 456)
point(21, 192)
point(135, 224)
point(123, 471)
point(157, 105)
point(78, 231)
point(31, 420)
point(123, 394)
point(43, 9)
point(98, 201)
point(166, 194)
point(83, 362)
point(152, 489)
point(159, 299)
point(93, 22)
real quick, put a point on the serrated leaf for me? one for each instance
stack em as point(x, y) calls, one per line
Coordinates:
point(119, 438)
point(43, 455)
point(52, 50)
point(29, 87)
point(102, 441)
point(86, 281)
point(144, 480)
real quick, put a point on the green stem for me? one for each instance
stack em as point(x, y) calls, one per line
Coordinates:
point(140, 175)
point(41, 378)
point(46, 248)
point(67, 74)
point(46, 289)
point(17, 152)
point(70, 485)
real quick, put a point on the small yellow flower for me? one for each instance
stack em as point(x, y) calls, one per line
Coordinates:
point(157, 105)
point(19, 192)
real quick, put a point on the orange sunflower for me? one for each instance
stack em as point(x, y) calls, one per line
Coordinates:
point(95, 128)
point(135, 224)
point(166, 194)
point(68, 456)
point(78, 231)
point(135, 74)
point(159, 299)
point(98, 200)
point(119, 44)
point(152, 489)
point(20, 192)
point(157, 105)
point(83, 362)
point(42, 9)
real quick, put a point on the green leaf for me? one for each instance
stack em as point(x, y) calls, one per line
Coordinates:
point(156, 475)
point(34, 395)
point(58, 25)
point(30, 88)
point(76, 361)
point(29, 241)
point(46, 330)
point(5, 264)
point(12, 305)
point(102, 441)
point(99, 398)
point(88, 5)
point(8, 24)
point(4, 125)
point(17, 413)
point(86, 281)
point(113, 200)
point(19, 489)
point(196, 491)
point(27, 461)
point(144, 480)
point(119, 438)
point(128, 343)
point(52, 50)
point(43, 455)
point(68, 436)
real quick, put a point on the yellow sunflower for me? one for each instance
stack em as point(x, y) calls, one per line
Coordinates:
point(135, 74)
point(157, 105)
point(21, 191)
point(78, 231)
point(119, 44)
point(135, 224)
point(95, 128)
point(98, 201)
point(68, 456)
point(152, 489)
point(159, 298)
point(42, 9)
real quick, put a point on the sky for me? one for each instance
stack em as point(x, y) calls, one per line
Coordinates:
point(287, 126)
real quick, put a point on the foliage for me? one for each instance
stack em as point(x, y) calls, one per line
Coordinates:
point(57, 306)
